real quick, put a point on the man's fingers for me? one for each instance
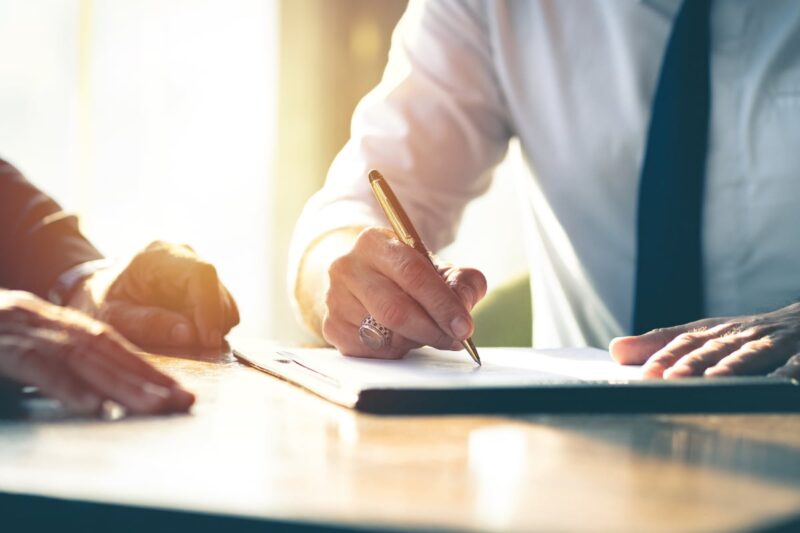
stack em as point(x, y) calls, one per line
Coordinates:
point(468, 283)
point(42, 367)
point(128, 389)
point(709, 354)
point(205, 302)
point(348, 342)
point(681, 345)
point(415, 276)
point(665, 357)
point(120, 352)
point(345, 310)
point(403, 291)
point(118, 357)
point(150, 326)
point(635, 350)
point(754, 357)
point(380, 297)
point(173, 277)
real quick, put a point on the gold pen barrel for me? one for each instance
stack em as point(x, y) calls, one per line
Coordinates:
point(406, 232)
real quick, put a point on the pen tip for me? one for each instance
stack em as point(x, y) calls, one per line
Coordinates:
point(374, 175)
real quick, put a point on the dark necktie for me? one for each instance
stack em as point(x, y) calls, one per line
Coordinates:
point(669, 267)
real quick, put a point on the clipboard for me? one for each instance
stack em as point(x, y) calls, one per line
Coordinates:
point(511, 381)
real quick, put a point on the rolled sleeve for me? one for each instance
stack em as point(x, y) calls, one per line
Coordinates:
point(434, 126)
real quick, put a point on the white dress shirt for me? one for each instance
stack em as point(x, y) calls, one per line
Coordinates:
point(574, 80)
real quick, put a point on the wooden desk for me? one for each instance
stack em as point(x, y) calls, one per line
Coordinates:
point(259, 448)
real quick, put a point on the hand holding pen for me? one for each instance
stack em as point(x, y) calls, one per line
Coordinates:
point(416, 304)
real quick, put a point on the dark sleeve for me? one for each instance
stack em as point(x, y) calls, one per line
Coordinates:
point(38, 240)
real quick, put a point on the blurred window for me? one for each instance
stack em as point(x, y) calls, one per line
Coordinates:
point(151, 119)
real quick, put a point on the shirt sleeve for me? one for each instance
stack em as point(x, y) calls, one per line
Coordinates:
point(434, 126)
point(38, 240)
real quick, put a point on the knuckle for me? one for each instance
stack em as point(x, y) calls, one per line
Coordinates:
point(329, 330)
point(717, 344)
point(369, 237)
point(392, 313)
point(476, 279)
point(692, 361)
point(206, 270)
point(757, 345)
point(156, 245)
point(330, 299)
point(339, 267)
point(447, 306)
point(687, 338)
point(413, 271)
point(751, 333)
point(661, 358)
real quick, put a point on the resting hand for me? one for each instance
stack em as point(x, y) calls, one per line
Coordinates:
point(755, 344)
point(78, 360)
point(166, 296)
point(382, 277)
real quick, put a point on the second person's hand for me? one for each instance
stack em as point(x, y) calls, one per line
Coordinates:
point(395, 284)
point(166, 296)
point(78, 360)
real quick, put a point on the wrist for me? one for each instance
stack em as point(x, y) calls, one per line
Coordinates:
point(83, 286)
point(71, 279)
point(313, 281)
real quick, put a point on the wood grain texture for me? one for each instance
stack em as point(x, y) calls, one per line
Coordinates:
point(257, 447)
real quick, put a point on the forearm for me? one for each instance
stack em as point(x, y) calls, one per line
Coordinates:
point(312, 281)
point(38, 240)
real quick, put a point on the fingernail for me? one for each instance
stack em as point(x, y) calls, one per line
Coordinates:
point(460, 327)
point(671, 372)
point(467, 296)
point(716, 372)
point(215, 338)
point(156, 390)
point(652, 371)
point(181, 334)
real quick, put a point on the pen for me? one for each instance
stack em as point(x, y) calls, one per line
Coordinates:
point(405, 231)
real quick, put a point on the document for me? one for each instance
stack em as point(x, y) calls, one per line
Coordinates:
point(582, 380)
point(432, 368)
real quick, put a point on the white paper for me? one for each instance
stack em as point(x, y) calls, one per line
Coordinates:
point(431, 368)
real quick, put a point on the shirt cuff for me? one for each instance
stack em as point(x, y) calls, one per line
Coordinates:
point(67, 282)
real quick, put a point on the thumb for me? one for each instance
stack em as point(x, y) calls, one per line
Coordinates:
point(635, 350)
point(150, 326)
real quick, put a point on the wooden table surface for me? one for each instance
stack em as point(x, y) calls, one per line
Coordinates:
point(257, 447)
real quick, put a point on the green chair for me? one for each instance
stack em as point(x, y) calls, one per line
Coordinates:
point(503, 318)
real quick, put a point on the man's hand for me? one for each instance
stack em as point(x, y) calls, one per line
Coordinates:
point(166, 296)
point(756, 344)
point(78, 360)
point(382, 277)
